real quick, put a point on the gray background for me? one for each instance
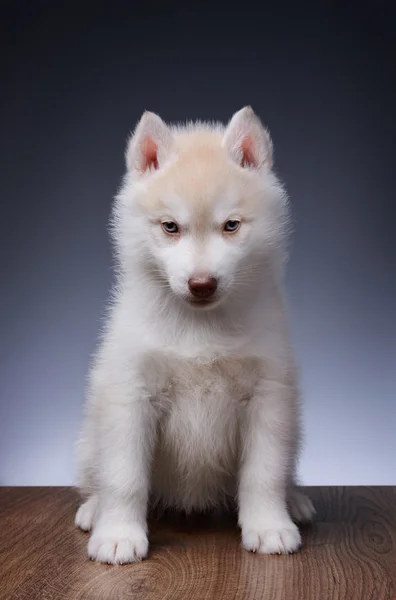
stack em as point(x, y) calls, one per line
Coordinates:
point(74, 82)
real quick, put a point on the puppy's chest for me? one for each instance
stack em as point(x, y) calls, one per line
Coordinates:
point(200, 406)
point(223, 383)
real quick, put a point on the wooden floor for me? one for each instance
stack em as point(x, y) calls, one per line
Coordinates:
point(350, 552)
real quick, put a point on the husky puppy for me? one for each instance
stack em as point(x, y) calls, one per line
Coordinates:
point(193, 394)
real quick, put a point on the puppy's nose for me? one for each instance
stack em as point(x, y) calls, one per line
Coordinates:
point(202, 287)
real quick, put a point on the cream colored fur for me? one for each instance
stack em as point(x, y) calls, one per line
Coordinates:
point(190, 406)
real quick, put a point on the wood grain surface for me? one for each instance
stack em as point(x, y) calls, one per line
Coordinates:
point(349, 553)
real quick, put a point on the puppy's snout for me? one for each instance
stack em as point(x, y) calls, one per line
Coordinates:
point(202, 287)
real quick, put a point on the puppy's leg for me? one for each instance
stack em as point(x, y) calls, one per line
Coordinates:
point(300, 505)
point(126, 439)
point(268, 442)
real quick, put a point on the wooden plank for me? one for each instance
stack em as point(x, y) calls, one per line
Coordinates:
point(350, 552)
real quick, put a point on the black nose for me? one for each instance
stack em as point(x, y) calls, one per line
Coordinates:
point(202, 287)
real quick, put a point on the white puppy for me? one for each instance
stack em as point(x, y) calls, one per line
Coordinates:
point(193, 398)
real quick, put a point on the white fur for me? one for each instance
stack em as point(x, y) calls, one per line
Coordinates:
point(191, 406)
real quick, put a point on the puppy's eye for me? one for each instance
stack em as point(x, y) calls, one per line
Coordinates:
point(170, 227)
point(232, 226)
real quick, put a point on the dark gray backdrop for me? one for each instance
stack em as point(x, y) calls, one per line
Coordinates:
point(74, 81)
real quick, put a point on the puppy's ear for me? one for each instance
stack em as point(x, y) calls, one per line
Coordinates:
point(149, 145)
point(247, 141)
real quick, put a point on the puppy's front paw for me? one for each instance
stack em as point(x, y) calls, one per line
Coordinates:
point(118, 543)
point(283, 539)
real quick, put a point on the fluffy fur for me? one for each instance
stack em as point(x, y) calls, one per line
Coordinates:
point(192, 404)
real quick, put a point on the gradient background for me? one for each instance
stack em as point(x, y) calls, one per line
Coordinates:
point(75, 81)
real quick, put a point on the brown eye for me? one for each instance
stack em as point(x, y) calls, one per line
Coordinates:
point(232, 226)
point(170, 227)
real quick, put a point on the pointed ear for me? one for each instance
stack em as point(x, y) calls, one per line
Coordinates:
point(247, 141)
point(149, 145)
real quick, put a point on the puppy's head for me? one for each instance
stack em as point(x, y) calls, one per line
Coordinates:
point(201, 209)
